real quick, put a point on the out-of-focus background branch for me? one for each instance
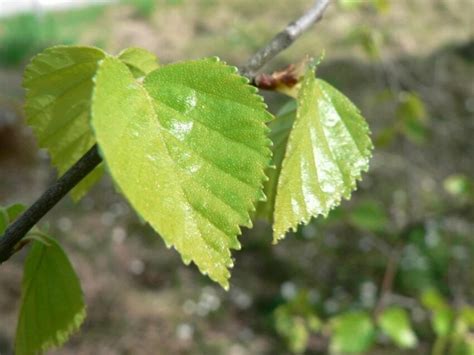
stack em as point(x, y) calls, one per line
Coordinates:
point(407, 64)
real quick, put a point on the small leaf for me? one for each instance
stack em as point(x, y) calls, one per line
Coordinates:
point(411, 113)
point(292, 328)
point(188, 148)
point(4, 220)
point(352, 332)
point(433, 300)
point(9, 214)
point(15, 210)
point(459, 185)
point(52, 305)
point(467, 315)
point(58, 85)
point(139, 61)
point(395, 322)
point(443, 321)
point(328, 148)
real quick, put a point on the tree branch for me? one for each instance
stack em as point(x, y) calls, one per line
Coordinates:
point(18, 229)
point(284, 39)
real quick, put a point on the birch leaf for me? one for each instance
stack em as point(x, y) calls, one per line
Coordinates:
point(328, 148)
point(52, 305)
point(188, 148)
point(58, 85)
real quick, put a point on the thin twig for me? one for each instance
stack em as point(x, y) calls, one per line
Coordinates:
point(18, 229)
point(15, 232)
point(387, 282)
point(284, 39)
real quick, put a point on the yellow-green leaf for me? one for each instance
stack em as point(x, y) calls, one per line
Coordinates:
point(328, 148)
point(188, 148)
point(58, 85)
point(395, 322)
point(52, 305)
point(352, 332)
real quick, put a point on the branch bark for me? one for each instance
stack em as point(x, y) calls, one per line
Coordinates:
point(284, 39)
point(18, 229)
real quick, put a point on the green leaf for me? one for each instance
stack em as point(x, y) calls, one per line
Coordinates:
point(52, 305)
point(4, 221)
point(369, 215)
point(58, 85)
point(411, 113)
point(292, 328)
point(9, 214)
point(395, 322)
point(459, 185)
point(433, 300)
point(15, 210)
point(352, 332)
point(443, 321)
point(188, 148)
point(139, 61)
point(328, 148)
point(467, 315)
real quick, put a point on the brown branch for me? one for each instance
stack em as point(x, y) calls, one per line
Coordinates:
point(17, 231)
point(284, 39)
point(387, 281)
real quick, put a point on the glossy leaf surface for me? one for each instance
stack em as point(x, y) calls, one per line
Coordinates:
point(328, 148)
point(52, 305)
point(188, 148)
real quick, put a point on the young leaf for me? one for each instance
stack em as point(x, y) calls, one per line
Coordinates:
point(139, 61)
point(9, 214)
point(328, 148)
point(58, 85)
point(52, 305)
point(4, 220)
point(395, 322)
point(352, 332)
point(14, 210)
point(188, 148)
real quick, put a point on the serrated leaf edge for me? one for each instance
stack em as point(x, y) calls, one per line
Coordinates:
point(347, 191)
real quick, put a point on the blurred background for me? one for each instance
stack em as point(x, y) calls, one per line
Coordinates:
point(404, 242)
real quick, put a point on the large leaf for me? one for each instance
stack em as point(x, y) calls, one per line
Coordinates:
point(395, 322)
point(328, 148)
point(188, 148)
point(58, 85)
point(52, 305)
